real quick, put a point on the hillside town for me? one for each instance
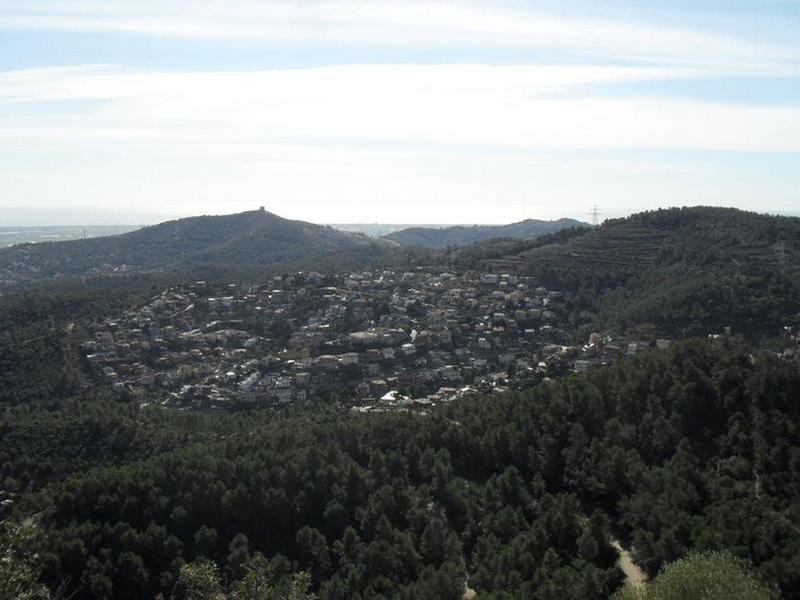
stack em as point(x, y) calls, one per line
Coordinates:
point(375, 341)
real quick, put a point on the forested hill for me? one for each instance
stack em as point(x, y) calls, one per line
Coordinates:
point(680, 271)
point(462, 235)
point(693, 237)
point(249, 239)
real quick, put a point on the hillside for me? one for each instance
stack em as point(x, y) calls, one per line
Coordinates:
point(256, 239)
point(668, 452)
point(463, 235)
point(676, 271)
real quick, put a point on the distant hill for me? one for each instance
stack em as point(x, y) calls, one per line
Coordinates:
point(383, 229)
point(680, 271)
point(256, 239)
point(463, 235)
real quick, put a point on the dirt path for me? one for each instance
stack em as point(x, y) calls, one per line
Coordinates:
point(633, 574)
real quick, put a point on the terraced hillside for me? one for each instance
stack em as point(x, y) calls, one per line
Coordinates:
point(698, 236)
point(675, 270)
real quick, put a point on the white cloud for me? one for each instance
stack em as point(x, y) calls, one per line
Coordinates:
point(445, 23)
point(229, 87)
point(466, 106)
point(444, 142)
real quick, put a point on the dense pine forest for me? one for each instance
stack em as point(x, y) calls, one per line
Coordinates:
point(695, 448)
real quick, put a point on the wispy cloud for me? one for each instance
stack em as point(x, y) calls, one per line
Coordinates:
point(470, 106)
point(443, 23)
point(562, 108)
point(108, 82)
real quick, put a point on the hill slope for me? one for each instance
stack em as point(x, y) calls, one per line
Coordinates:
point(675, 271)
point(251, 239)
point(462, 235)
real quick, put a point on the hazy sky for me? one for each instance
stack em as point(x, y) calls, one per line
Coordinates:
point(126, 111)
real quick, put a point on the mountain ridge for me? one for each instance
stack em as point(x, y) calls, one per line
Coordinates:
point(461, 235)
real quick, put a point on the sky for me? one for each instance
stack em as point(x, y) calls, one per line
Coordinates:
point(132, 112)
